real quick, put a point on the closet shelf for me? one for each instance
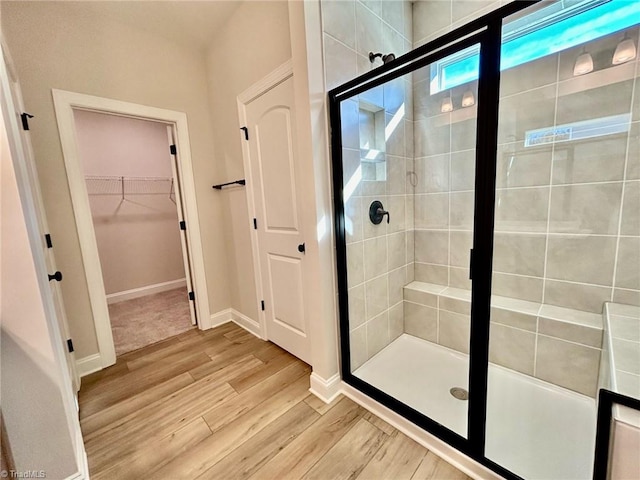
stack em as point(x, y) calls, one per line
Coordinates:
point(114, 185)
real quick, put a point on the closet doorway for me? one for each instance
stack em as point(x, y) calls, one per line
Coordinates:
point(128, 172)
point(132, 188)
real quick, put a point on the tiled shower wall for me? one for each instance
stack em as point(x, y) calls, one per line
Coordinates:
point(380, 257)
point(567, 215)
point(434, 18)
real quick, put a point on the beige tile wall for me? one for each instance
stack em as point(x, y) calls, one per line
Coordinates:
point(567, 215)
point(434, 18)
point(379, 257)
point(552, 343)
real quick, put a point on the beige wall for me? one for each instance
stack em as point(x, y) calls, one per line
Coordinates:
point(61, 45)
point(138, 238)
point(253, 43)
point(30, 385)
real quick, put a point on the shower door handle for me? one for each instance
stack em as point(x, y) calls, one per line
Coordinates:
point(471, 264)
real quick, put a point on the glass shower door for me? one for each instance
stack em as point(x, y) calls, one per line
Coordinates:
point(566, 236)
point(408, 162)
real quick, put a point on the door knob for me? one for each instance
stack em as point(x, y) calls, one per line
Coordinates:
point(301, 248)
point(56, 276)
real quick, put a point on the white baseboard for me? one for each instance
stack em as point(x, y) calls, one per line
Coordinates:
point(77, 476)
point(247, 323)
point(89, 364)
point(220, 318)
point(93, 363)
point(81, 459)
point(146, 290)
point(443, 450)
point(232, 315)
point(325, 390)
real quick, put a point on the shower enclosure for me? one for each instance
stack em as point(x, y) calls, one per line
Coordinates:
point(487, 201)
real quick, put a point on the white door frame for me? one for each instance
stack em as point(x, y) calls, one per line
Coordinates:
point(65, 102)
point(27, 199)
point(24, 143)
point(276, 77)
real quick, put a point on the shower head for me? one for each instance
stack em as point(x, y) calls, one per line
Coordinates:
point(385, 58)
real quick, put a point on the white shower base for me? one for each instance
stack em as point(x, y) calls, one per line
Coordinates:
point(535, 429)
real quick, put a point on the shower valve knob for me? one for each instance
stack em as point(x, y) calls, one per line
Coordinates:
point(382, 213)
point(377, 212)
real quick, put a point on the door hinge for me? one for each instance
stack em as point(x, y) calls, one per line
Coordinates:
point(25, 120)
point(246, 132)
point(173, 150)
point(70, 345)
point(192, 296)
point(255, 223)
point(47, 239)
point(471, 264)
point(183, 225)
point(262, 305)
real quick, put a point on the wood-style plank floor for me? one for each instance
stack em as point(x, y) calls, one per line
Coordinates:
point(223, 404)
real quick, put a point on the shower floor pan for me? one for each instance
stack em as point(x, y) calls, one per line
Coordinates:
point(535, 429)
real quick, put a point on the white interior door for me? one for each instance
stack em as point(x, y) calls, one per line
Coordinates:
point(15, 103)
point(182, 223)
point(273, 157)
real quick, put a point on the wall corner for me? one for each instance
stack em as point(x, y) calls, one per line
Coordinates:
point(319, 285)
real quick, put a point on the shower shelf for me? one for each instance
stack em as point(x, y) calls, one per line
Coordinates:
point(564, 328)
point(622, 349)
point(418, 290)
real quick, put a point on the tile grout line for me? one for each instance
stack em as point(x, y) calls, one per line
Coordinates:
point(366, 309)
point(386, 240)
point(597, 285)
point(546, 246)
point(449, 193)
point(624, 184)
point(449, 179)
point(525, 187)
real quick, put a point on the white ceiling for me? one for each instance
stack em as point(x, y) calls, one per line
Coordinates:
point(190, 23)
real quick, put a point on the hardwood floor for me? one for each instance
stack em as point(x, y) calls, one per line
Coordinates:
point(223, 404)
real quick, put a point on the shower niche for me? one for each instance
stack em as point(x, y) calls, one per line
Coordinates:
point(511, 183)
point(371, 127)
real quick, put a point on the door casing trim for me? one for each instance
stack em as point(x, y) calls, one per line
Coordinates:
point(30, 215)
point(65, 102)
point(276, 77)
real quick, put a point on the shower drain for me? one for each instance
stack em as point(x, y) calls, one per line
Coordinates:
point(459, 393)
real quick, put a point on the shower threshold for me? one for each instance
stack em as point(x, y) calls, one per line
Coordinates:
point(535, 429)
